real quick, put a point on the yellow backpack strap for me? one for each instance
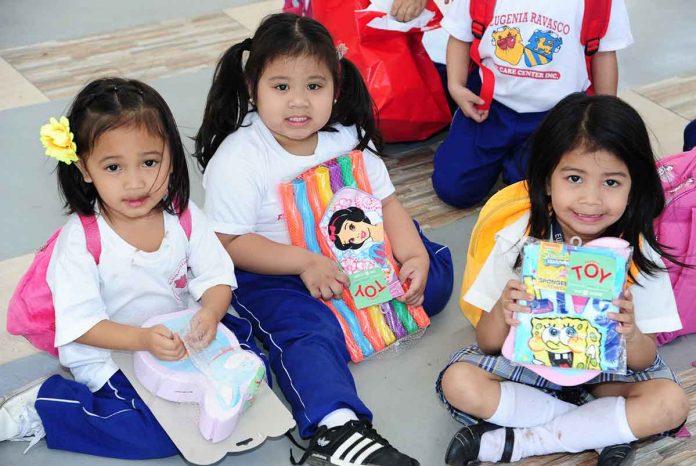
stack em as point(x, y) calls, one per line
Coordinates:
point(504, 208)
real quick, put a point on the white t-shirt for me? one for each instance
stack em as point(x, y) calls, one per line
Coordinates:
point(654, 303)
point(128, 286)
point(243, 178)
point(529, 44)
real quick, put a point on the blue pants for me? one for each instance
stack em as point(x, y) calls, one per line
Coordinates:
point(690, 136)
point(113, 421)
point(472, 156)
point(306, 346)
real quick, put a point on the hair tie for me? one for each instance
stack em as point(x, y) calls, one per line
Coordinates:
point(247, 43)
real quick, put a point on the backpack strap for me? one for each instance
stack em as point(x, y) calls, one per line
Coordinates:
point(481, 12)
point(92, 235)
point(595, 22)
point(185, 222)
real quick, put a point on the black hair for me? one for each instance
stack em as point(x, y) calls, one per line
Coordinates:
point(110, 103)
point(595, 123)
point(282, 35)
point(353, 214)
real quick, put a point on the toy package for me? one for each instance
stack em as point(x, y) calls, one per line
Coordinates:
point(573, 289)
point(221, 377)
point(330, 210)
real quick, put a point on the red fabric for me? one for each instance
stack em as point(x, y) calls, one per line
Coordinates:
point(402, 80)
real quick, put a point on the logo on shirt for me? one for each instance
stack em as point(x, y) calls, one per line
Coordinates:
point(541, 48)
point(178, 281)
point(508, 44)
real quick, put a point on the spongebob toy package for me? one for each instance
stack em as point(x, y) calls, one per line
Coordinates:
point(573, 289)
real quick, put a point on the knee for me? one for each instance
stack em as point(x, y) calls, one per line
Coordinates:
point(674, 405)
point(670, 405)
point(462, 385)
point(456, 191)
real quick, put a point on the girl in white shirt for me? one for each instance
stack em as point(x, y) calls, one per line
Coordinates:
point(125, 171)
point(294, 104)
point(592, 174)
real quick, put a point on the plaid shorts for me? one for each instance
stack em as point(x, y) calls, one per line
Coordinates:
point(504, 368)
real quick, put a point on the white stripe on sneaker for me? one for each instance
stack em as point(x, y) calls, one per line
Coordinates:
point(368, 452)
point(352, 440)
point(355, 451)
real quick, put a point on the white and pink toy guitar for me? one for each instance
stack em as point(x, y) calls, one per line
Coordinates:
point(222, 378)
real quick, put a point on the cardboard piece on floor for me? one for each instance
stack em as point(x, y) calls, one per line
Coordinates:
point(267, 417)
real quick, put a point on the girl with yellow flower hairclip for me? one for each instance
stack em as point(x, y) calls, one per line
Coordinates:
point(133, 247)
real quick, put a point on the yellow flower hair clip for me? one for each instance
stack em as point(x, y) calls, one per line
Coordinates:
point(58, 140)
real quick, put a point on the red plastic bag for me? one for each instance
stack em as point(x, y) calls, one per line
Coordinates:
point(401, 78)
point(298, 7)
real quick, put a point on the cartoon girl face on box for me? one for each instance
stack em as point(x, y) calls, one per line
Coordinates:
point(350, 228)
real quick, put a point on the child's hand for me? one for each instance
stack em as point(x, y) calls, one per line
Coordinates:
point(625, 317)
point(468, 101)
point(406, 10)
point(163, 343)
point(414, 273)
point(514, 291)
point(323, 278)
point(203, 328)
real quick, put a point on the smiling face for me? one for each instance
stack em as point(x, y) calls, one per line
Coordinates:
point(130, 170)
point(589, 192)
point(294, 98)
point(353, 232)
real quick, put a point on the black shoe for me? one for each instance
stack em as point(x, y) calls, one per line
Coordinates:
point(617, 455)
point(352, 444)
point(465, 445)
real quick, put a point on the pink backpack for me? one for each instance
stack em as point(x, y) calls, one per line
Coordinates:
point(676, 229)
point(30, 312)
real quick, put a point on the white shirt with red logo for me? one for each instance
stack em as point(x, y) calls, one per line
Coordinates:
point(128, 286)
point(243, 178)
point(533, 48)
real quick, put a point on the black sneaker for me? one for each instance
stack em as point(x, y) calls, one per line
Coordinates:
point(622, 454)
point(352, 444)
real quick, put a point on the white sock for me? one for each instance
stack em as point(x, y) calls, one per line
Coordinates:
point(597, 424)
point(338, 417)
point(524, 406)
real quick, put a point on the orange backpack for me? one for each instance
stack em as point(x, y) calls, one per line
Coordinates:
point(504, 208)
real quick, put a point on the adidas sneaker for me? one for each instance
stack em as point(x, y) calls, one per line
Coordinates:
point(355, 443)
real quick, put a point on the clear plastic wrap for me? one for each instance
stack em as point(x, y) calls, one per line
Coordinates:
point(573, 288)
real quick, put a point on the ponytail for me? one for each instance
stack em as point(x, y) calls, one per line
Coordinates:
point(354, 106)
point(227, 103)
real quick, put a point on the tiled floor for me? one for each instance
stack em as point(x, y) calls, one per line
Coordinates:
point(174, 45)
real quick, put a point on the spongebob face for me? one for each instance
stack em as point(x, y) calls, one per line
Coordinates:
point(508, 44)
point(565, 342)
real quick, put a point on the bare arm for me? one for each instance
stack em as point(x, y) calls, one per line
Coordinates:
point(158, 340)
point(641, 351)
point(255, 253)
point(258, 254)
point(402, 233)
point(457, 74)
point(492, 330)
point(408, 249)
point(494, 326)
point(605, 73)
